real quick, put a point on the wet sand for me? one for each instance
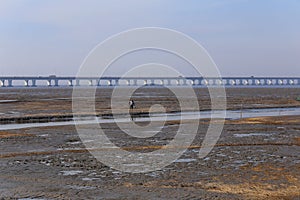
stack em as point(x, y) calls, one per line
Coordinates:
point(255, 158)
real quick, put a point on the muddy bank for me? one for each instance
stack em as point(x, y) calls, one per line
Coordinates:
point(37, 102)
point(255, 158)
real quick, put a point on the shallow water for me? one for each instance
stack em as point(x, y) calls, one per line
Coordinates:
point(184, 160)
point(231, 114)
point(251, 134)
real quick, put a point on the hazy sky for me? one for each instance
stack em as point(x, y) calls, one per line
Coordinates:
point(244, 37)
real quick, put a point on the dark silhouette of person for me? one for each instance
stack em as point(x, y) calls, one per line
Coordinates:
point(131, 104)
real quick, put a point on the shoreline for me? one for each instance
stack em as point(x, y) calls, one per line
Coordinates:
point(136, 114)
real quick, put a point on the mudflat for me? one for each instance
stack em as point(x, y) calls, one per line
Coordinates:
point(255, 158)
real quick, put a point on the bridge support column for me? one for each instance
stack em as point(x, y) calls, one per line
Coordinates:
point(10, 83)
point(135, 82)
point(56, 82)
point(70, 83)
point(33, 83)
point(193, 81)
point(127, 82)
point(49, 83)
point(77, 82)
point(26, 83)
point(168, 82)
point(225, 82)
point(98, 82)
point(162, 82)
point(199, 81)
point(152, 82)
point(279, 82)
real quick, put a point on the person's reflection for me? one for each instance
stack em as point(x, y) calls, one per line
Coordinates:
point(132, 116)
point(135, 115)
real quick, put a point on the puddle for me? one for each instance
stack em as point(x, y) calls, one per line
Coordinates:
point(71, 173)
point(133, 165)
point(77, 187)
point(185, 160)
point(31, 199)
point(8, 101)
point(231, 114)
point(73, 143)
point(90, 179)
point(251, 134)
point(44, 135)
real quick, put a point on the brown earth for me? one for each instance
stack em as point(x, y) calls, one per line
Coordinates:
point(255, 158)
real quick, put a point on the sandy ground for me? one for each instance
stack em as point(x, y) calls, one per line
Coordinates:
point(255, 158)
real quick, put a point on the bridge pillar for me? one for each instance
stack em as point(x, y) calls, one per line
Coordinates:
point(162, 82)
point(77, 82)
point(231, 82)
point(10, 83)
point(127, 82)
point(134, 82)
point(70, 83)
point(250, 82)
point(205, 82)
point(98, 82)
point(226, 82)
point(56, 82)
point(33, 82)
point(245, 82)
point(218, 82)
point(26, 83)
point(199, 81)
point(49, 83)
point(151, 81)
point(193, 81)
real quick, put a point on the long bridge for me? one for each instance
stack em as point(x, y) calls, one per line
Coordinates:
point(56, 81)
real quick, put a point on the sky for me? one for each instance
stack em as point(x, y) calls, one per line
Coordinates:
point(243, 37)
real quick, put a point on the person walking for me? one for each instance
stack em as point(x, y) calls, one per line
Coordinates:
point(131, 104)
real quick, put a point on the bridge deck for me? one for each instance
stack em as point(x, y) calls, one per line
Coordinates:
point(33, 81)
